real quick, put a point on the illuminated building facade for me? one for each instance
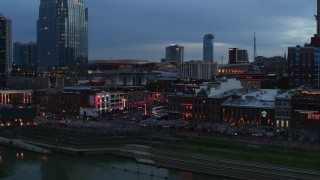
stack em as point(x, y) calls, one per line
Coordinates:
point(62, 38)
point(305, 112)
point(283, 114)
point(233, 69)
point(252, 109)
point(196, 109)
point(89, 101)
point(135, 99)
point(15, 98)
point(203, 105)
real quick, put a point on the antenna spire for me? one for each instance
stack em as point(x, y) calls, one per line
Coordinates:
point(255, 47)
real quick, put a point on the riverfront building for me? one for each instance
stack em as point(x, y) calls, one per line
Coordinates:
point(283, 114)
point(62, 37)
point(305, 112)
point(255, 108)
point(203, 106)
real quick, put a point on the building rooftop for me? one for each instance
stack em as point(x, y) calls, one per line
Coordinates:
point(264, 98)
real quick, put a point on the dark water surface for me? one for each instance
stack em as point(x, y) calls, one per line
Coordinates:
point(17, 164)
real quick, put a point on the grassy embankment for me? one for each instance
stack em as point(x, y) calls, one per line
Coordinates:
point(268, 154)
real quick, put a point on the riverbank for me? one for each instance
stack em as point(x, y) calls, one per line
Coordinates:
point(195, 154)
point(197, 162)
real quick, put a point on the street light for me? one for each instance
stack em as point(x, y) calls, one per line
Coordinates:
point(318, 61)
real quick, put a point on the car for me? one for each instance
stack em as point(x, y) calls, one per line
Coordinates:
point(142, 125)
point(257, 134)
point(233, 134)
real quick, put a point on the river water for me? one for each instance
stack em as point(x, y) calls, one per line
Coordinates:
point(16, 164)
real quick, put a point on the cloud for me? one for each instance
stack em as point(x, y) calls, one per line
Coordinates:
point(141, 29)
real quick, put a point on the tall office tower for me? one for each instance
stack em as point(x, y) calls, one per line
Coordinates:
point(238, 56)
point(175, 53)
point(25, 56)
point(62, 38)
point(208, 48)
point(5, 49)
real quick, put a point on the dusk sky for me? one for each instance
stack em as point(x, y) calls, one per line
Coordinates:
point(141, 29)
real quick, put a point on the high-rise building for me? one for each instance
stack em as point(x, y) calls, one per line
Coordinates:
point(208, 48)
point(304, 66)
point(175, 53)
point(304, 62)
point(238, 56)
point(25, 56)
point(5, 49)
point(62, 37)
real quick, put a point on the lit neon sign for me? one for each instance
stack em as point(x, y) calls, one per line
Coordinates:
point(314, 116)
point(264, 114)
point(185, 104)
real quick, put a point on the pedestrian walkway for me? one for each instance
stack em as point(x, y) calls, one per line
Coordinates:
point(18, 143)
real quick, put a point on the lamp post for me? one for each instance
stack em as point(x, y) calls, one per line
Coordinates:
point(318, 61)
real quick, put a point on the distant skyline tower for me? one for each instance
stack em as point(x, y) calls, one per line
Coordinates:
point(62, 37)
point(208, 51)
point(5, 49)
point(175, 53)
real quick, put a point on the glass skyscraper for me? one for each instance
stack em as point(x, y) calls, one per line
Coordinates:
point(208, 48)
point(5, 49)
point(62, 38)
